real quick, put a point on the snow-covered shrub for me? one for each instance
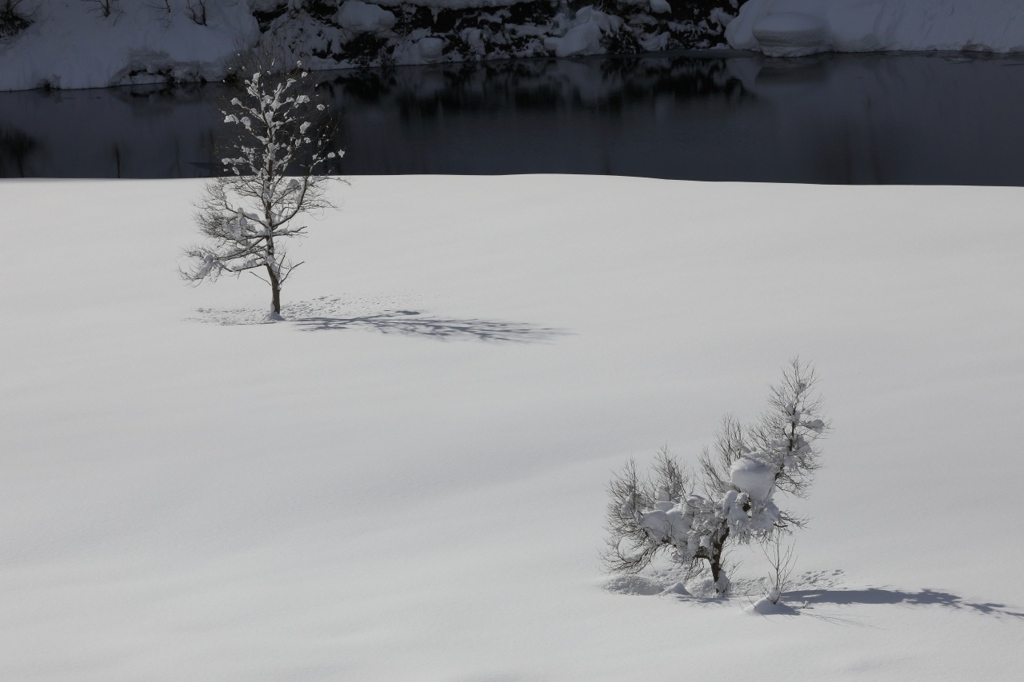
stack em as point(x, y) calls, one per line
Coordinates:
point(275, 164)
point(735, 500)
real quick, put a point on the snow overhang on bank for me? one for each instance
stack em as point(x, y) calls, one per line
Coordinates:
point(73, 45)
point(81, 44)
point(792, 28)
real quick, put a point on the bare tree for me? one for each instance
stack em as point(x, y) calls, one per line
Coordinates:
point(780, 562)
point(738, 481)
point(102, 7)
point(161, 6)
point(274, 167)
point(13, 19)
point(196, 11)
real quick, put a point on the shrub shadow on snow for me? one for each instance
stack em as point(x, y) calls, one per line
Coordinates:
point(808, 598)
point(414, 323)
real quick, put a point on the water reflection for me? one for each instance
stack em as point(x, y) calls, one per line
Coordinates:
point(905, 119)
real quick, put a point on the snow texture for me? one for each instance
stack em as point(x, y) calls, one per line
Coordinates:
point(754, 477)
point(187, 501)
point(786, 28)
point(361, 17)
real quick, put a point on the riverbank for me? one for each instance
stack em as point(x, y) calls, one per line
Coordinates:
point(829, 118)
point(59, 44)
point(74, 45)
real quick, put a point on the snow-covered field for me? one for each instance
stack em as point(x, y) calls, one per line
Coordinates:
point(406, 480)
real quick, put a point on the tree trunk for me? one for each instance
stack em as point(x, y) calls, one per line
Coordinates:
point(275, 283)
point(275, 288)
point(715, 561)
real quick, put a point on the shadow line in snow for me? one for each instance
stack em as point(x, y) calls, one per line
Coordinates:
point(802, 601)
point(881, 596)
point(414, 323)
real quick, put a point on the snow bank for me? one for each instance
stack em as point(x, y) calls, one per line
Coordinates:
point(584, 36)
point(799, 27)
point(68, 46)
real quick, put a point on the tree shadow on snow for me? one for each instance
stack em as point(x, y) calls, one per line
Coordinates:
point(807, 598)
point(413, 323)
point(332, 313)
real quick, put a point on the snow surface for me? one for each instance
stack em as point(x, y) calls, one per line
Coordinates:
point(406, 481)
point(799, 27)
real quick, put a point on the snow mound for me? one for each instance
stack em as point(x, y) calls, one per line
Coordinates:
point(638, 585)
point(790, 34)
point(753, 477)
point(359, 17)
point(661, 7)
point(799, 27)
point(765, 607)
point(679, 589)
point(584, 37)
point(430, 49)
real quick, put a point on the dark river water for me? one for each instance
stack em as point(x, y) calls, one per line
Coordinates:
point(894, 119)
